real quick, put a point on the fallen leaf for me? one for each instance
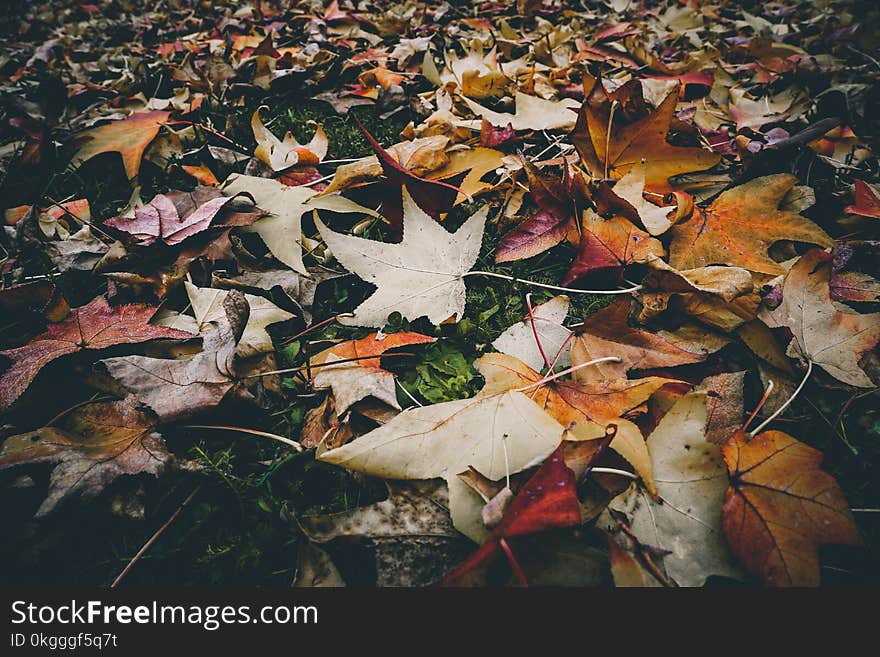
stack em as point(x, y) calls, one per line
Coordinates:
point(299, 289)
point(432, 196)
point(551, 224)
point(547, 501)
point(176, 389)
point(685, 519)
point(519, 340)
point(867, 201)
point(630, 188)
point(477, 162)
point(406, 512)
point(532, 113)
point(830, 337)
point(590, 406)
point(95, 444)
point(608, 333)
point(610, 245)
point(419, 156)
point(740, 226)
point(631, 144)
point(128, 137)
point(724, 405)
point(420, 276)
point(492, 136)
point(207, 306)
point(283, 154)
point(282, 232)
point(357, 379)
point(175, 216)
point(95, 326)
point(202, 174)
point(494, 434)
point(848, 280)
point(722, 297)
point(780, 507)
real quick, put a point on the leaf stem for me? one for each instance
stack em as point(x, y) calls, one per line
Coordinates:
point(553, 377)
point(535, 331)
point(764, 398)
point(614, 471)
point(514, 564)
point(514, 279)
point(333, 362)
point(255, 432)
point(788, 401)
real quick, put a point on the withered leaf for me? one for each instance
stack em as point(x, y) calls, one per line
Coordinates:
point(93, 445)
point(95, 326)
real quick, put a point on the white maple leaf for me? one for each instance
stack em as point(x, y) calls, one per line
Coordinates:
point(423, 275)
point(282, 231)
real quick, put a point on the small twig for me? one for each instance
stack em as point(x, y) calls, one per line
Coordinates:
point(155, 537)
point(614, 105)
point(311, 328)
point(615, 471)
point(561, 349)
point(407, 393)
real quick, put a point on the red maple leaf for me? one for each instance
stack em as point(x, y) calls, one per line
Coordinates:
point(96, 325)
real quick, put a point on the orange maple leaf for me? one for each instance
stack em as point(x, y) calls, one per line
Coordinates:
point(740, 226)
point(128, 137)
point(780, 507)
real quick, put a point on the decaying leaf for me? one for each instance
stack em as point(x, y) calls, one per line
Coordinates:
point(550, 225)
point(825, 334)
point(175, 389)
point(358, 375)
point(590, 406)
point(691, 478)
point(128, 137)
point(631, 144)
point(608, 333)
point(520, 342)
point(93, 445)
point(173, 217)
point(610, 245)
point(283, 154)
point(532, 113)
point(95, 326)
point(495, 434)
point(547, 501)
point(722, 297)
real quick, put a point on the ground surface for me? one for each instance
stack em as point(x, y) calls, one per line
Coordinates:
point(68, 67)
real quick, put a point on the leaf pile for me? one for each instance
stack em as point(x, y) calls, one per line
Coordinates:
point(517, 278)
